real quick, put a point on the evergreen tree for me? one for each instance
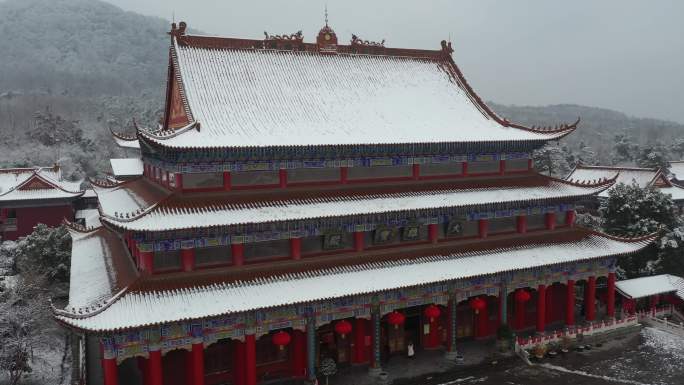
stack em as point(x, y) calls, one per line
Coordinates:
point(677, 149)
point(632, 211)
point(46, 251)
point(551, 160)
point(587, 155)
point(623, 149)
point(654, 156)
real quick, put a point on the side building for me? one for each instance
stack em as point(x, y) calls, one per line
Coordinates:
point(29, 196)
point(303, 201)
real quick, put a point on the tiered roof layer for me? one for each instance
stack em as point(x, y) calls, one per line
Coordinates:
point(36, 183)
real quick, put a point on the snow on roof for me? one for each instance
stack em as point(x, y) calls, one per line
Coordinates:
point(648, 286)
point(127, 167)
point(138, 309)
point(167, 217)
point(100, 267)
point(676, 192)
point(677, 169)
point(91, 217)
point(642, 176)
point(261, 98)
point(128, 197)
point(17, 184)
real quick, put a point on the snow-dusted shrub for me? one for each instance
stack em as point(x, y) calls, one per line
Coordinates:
point(46, 251)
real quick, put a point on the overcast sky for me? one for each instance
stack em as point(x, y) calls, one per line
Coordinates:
point(626, 55)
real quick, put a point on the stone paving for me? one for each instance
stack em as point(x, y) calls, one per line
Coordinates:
point(424, 362)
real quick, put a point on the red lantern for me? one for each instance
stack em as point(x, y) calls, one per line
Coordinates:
point(281, 339)
point(343, 328)
point(395, 318)
point(432, 312)
point(477, 304)
point(522, 295)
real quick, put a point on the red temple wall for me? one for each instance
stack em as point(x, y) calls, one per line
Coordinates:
point(29, 217)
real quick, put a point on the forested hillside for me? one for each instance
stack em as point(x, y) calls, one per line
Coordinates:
point(79, 67)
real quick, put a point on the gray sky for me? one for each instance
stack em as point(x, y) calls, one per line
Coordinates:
point(626, 55)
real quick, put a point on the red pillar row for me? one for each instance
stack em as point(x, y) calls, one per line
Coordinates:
point(358, 240)
point(432, 340)
point(415, 171)
point(502, 167)
point(179, 181)
point(433, 233)
point(238, 252)
point(570, 303)
point(590, 299)
point(483, 227)
point(359, 353)
point(465, 168)
point(611, 295)
point(521, 224)
point(296, 248)
point(250, 360)
point(188, 259)
point(482, 319)
point(541, 308)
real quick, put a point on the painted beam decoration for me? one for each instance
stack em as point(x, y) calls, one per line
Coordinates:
point(181, 335)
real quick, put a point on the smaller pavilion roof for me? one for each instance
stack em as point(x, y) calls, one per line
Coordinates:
point(35, 183)
point(652, 285)
point(126, 141)
point(126, 168)
point(643, 177)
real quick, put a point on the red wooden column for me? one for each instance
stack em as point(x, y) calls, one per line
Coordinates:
point(550, 221)
point(189, 374)
point(433, 233)
point(238, 252)
point(483, 321)
point(296, 248)
point(188, 259)
point(465, 168)
point(590, 299)
point(282, 177)
point(238, 362)
point(519, 314)
point(483, 227)
point(227, 183)
point(343, 175)
point(611, 295)
point(250, 360)
point(570, 303)
point(415, 171)
point(155, 364)
point(502, 167)
point(570, 218)
point(359, 355)
point(432, 340)
point(198, 363)
point(358, 240)
point(521, 224)
point(110, 371)
point(179, 181)
point(541, 309)
point(147, 261)
point(298, 353)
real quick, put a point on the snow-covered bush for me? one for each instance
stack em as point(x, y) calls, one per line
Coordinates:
point(46, 251)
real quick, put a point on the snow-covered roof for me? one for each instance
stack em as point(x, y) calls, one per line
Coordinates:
point(181, 214)
point(652, 285)
point(677, 169)
point(100, 267)
point(90, 216)
point(676, 192)
point(17, 184)
point(126, 167)
point(278, 98)
point(128, 197)
point(642, 176)
point(138, 309)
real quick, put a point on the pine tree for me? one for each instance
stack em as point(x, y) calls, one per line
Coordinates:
point(551, 160)
point(587, 155)
point(623, 149)
point(654, 156)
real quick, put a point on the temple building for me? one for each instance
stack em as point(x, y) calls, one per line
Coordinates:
point(302, 201)
point(642, 177)
point(33, 195)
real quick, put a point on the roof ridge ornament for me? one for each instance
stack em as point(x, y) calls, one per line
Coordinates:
point(177, 31)
point(355, 40)
point(446, 47)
